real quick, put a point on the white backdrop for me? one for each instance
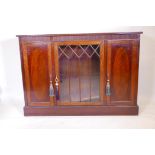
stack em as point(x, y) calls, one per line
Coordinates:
point(71, 16)
point(47, 17)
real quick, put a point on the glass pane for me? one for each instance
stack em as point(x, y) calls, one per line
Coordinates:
point(74, 79)
point(85, 78)
point(79, 73)
point(95, 77)
point(64, 79)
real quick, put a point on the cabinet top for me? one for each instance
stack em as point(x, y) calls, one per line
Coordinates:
point(82, 34)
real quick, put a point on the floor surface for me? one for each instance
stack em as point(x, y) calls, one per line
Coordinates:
point(11, 116)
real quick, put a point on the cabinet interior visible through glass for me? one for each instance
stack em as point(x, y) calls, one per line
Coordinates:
point(79, 72)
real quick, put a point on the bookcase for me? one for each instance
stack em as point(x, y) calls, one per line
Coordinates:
point(80, 74)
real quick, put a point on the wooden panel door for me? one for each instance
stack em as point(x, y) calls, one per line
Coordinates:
point(36, 70)
point(122, 71)
point(79, 73)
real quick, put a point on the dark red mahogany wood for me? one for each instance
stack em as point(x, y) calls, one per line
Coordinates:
point(80, 67)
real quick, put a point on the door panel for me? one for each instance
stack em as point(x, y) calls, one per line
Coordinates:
point(121, 69)
point(37, 70)
point(78, 70)
point(121, 72)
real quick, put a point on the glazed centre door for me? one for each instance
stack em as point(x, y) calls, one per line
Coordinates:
point(79, 73)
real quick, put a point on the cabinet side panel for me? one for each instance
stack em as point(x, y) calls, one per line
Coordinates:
point(22, 69)
point(135, 66)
